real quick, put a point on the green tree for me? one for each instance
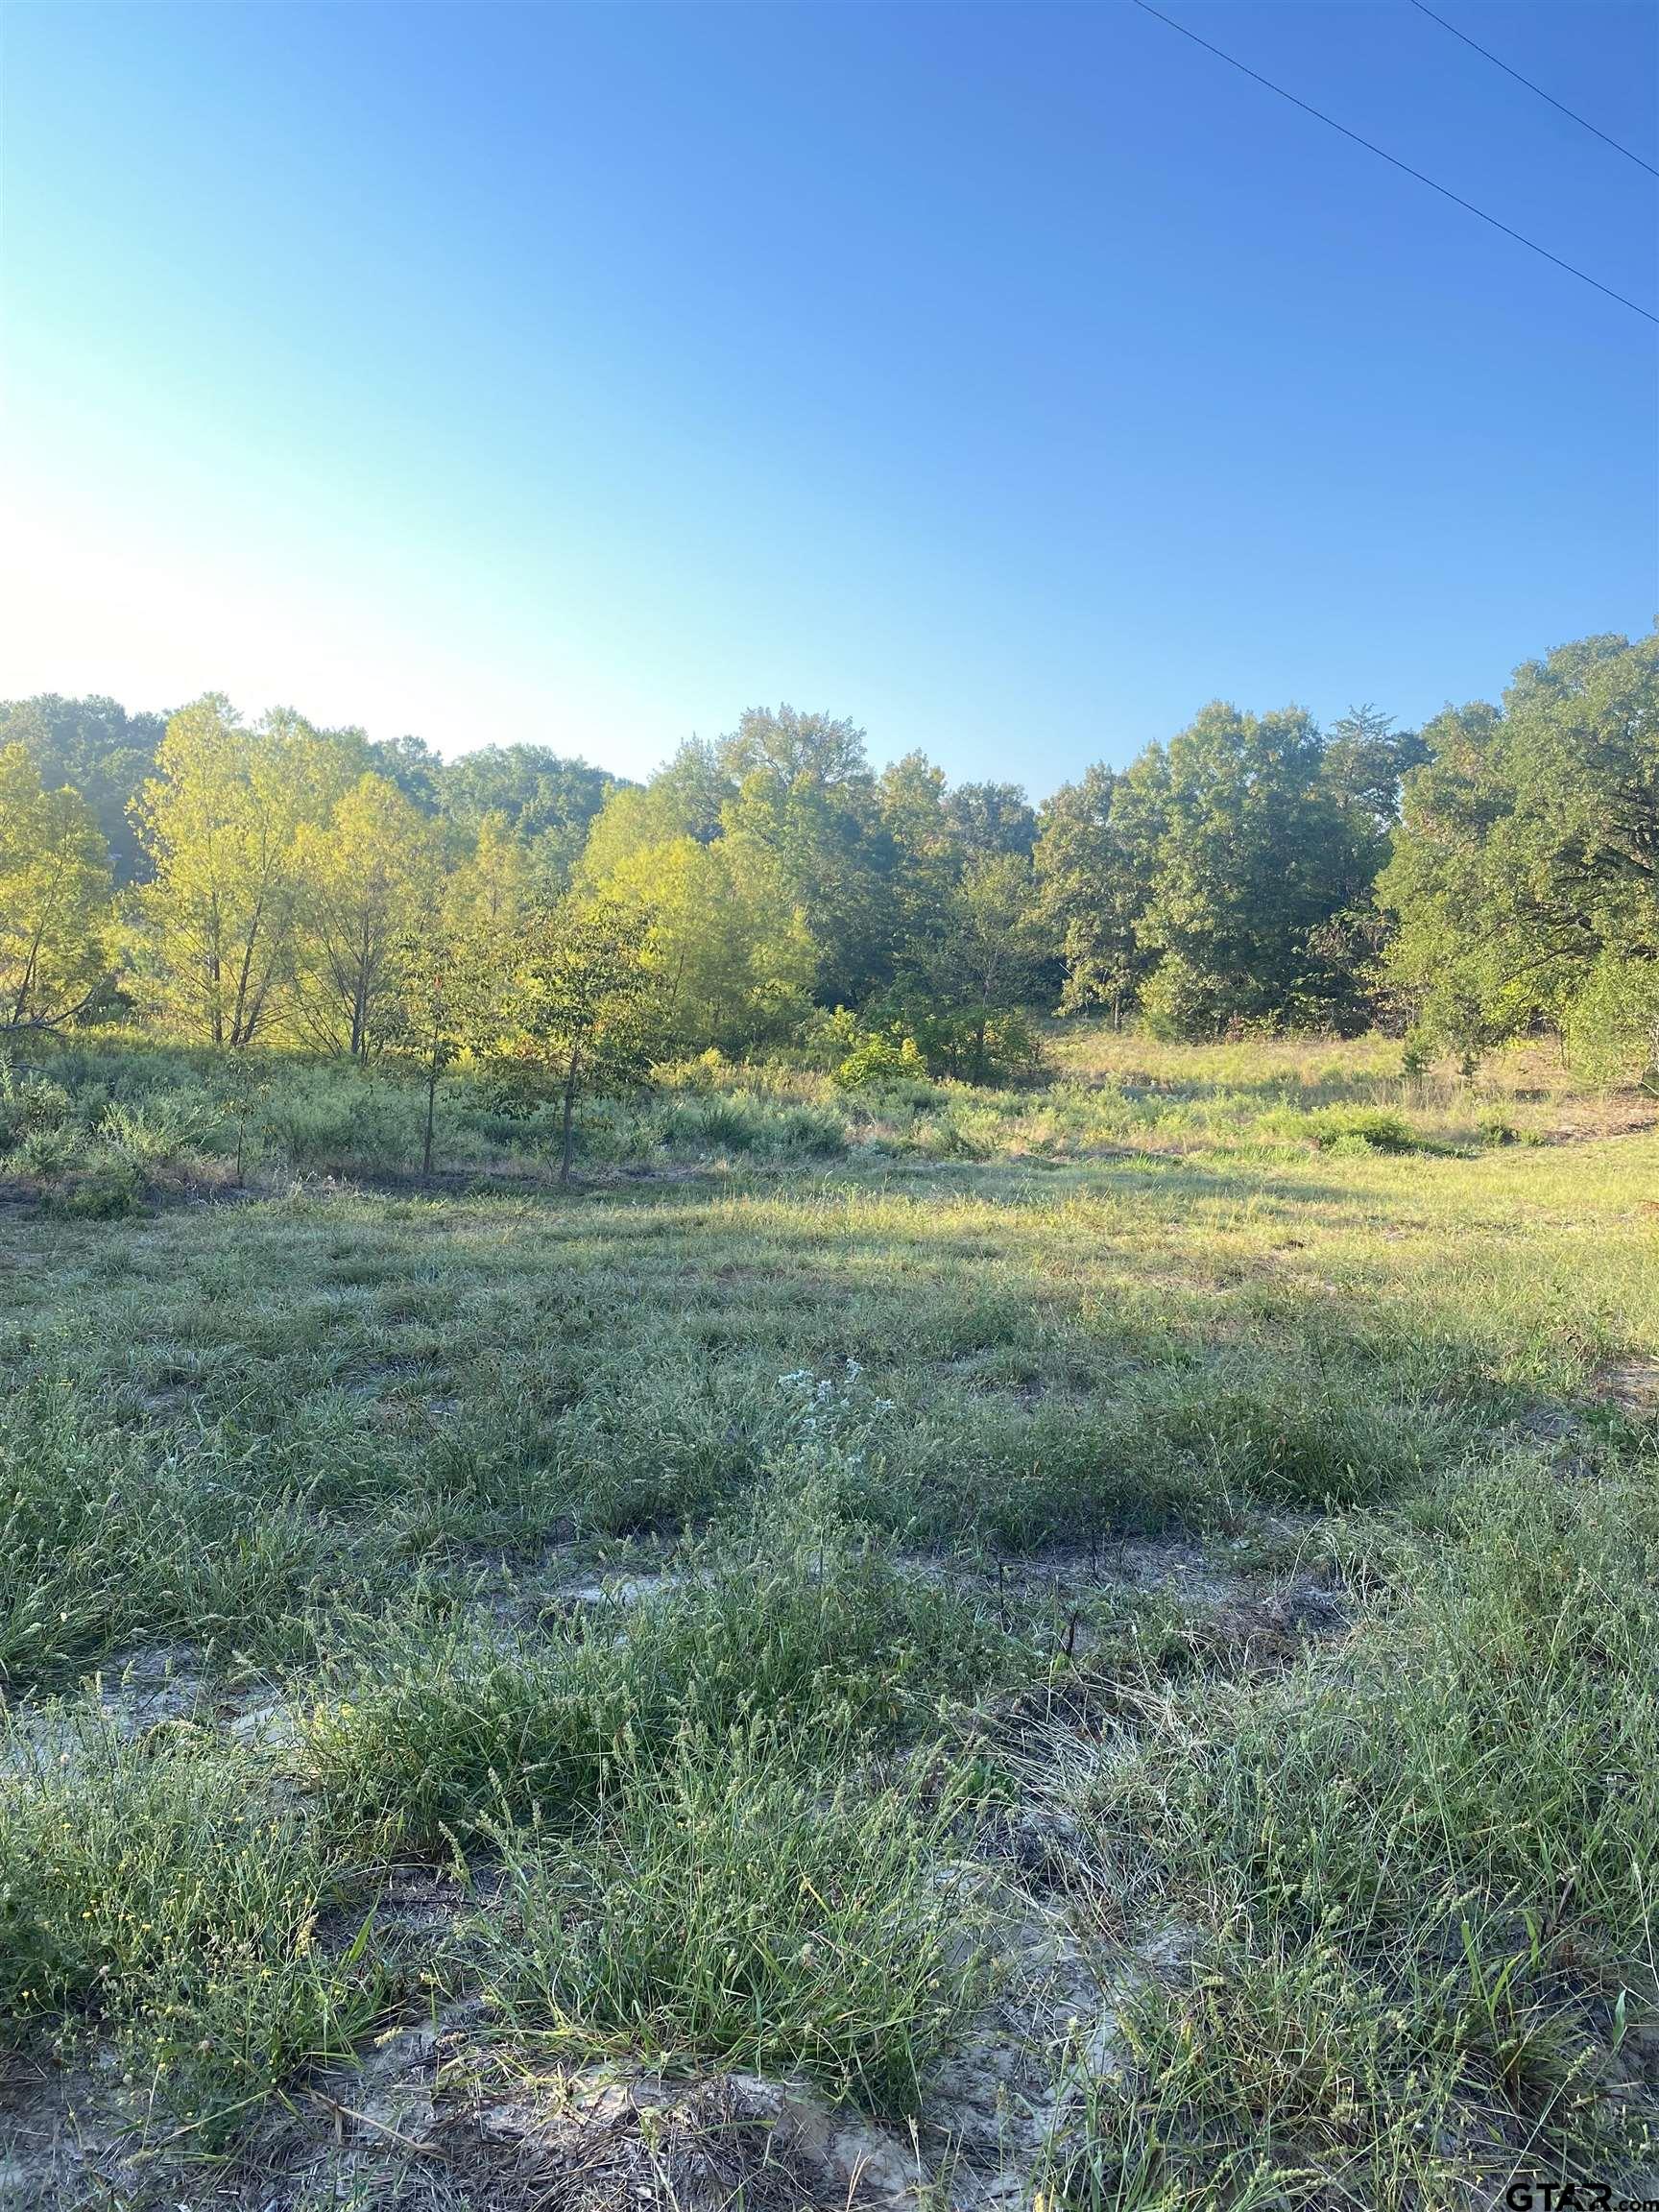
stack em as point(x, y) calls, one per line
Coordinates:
point(1365, 762)
point(927, 857)
point(363, 875)
point(805, 802)
point(96, 748)
point(578, 1006)
point(55, 889)
point(1525, 879)
point(1096, 864)
point(494, 886)
point(695, 787)
point(449, 1001)
point(732, 950)
point(1253, 864)
point(988, 959)
point(550, 801)
point(789, 747)
point(989, 818)
point(220, 823)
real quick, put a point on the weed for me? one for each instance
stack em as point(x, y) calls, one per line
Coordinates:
point(798, 1617)
point(153, 1887)
point(730, 1909)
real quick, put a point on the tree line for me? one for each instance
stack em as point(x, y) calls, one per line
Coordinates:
point(271, 882)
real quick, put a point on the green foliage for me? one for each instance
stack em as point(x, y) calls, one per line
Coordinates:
point(1096, 864)
point(1224, 880)
point(96, 748)
point(1220, 884)
point(546, 800)
point(577, 1007)
point(802, 808)
point(1522, 879)
point(1611, 1021)
point(880, 1057)
point(53, 900)
point(1254, 860)
point(984, 968)
point(29, 1103)
point(1369, 1128)
point(112, 1189)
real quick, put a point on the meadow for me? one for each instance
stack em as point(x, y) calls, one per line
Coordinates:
point(1089, 1644)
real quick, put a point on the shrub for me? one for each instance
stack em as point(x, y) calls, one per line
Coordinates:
point(883, 1058)
point(339, 1117)
point(29, 1103)
point(155, 1135)
point(1179, 1003)
point(1363, 1128)
point(46, 1150)
point(110, 1189)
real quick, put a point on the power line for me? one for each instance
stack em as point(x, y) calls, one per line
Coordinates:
point(1538, 89)
point(1445, 191)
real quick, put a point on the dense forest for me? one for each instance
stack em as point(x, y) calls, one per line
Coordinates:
point(275, 883)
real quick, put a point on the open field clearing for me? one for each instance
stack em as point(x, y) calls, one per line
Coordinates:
point(911, 1646)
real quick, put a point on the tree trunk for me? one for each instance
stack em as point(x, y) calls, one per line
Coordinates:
point(569, 1127)
point(431, 1115)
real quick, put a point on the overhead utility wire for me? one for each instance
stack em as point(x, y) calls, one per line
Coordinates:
point(1538, 89)
point(1445, 191)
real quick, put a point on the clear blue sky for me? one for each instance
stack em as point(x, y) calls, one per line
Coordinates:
point(1012, 378)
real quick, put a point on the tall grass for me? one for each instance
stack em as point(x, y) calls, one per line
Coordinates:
point(797, 1618)
point(111, 1115)
point(732, 1908)
point(1419, 1883)
point(1373, 1907)
point(156, 1889)
point(105, 1540)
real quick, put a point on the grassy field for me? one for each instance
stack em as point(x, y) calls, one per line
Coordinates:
point(1094, 1643)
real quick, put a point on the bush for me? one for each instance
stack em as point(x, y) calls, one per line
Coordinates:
point(111, 1189)
point(997, 1047)
point(155, 1135)
point(742, 1121)
point(30, 1104)
point(1612, 1025)
point(46, 1151)
point(1178, 1003)
point(339, 1117)
point(1363, 1128)
point(881, 1059)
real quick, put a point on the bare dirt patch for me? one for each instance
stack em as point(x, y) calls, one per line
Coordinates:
point(1630, 1386)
